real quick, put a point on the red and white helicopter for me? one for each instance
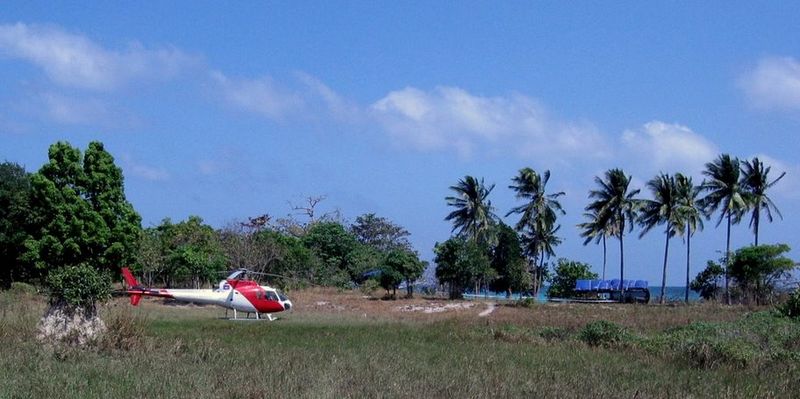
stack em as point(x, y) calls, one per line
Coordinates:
point(234, 292)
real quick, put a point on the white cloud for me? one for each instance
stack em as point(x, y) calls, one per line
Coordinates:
point(452, 118)
point(75, 61)
point(146, 172)
point(774, 83)
point(71, 110)
point(262, 96)
point(668, 147)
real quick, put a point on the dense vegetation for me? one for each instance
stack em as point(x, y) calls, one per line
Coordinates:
point(73, 212)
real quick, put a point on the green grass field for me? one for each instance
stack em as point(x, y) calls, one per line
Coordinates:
point(178, 351)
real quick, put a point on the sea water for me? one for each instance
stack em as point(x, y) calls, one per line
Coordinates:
point(671, 294)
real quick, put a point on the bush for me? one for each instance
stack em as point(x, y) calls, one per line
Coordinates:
point(792, 306)
point(554, 333)
point(78, 286)
point(19, 288)
point(125, 332)
point(369, 286)
point(603, 333)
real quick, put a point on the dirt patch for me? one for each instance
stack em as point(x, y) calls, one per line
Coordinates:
point(434, 307)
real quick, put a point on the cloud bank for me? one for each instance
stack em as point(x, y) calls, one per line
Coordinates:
point(774, 83)
point(75, 61)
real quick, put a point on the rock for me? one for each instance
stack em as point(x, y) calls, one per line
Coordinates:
point(69, 325)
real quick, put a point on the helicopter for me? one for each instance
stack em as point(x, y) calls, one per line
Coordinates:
point(235, 292)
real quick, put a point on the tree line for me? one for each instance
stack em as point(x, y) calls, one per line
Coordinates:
point(731, 190)
point(73, 214)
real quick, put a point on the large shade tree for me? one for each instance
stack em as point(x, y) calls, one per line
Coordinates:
point(616, 206)
point(473, 215)
point(724, 193)
point(661, 210)
point(691, 215)
point(79, 211)
point(755, 183)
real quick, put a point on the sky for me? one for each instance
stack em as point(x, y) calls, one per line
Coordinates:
point(232, 110)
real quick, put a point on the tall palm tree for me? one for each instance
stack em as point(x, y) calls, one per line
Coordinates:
point(662, 209)
point(540, 243)
point(538, 215)
point(616, 206)
point(473, 216)
point(540, 209)
point(724, 192)
point(592, 230)
point(690, 212)
point(755, 181)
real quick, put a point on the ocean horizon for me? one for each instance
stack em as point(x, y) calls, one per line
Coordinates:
point(671, 293)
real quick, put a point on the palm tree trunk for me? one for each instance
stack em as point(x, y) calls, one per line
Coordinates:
point(664, 271)
point(621, 266)
point(728, 261)
point(688, 252)
point(604, 256)
point(756, 218)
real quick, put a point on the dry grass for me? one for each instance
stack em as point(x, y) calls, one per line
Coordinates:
point(352, 346)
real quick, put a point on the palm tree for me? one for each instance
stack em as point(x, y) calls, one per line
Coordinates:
point(662, 209)
point(473, 216)
point(540, 243)
point(755, 182)
point(724, 192)
point(691, 214)
point(616, 207)
point(593, 230)
point(540, 209)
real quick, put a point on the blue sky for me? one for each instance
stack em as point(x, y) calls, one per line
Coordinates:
point(230, 111)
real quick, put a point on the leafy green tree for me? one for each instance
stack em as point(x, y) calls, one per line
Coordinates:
point(14, 209)
point(406, 265)
point(460, 263)
point(566, 273)
point(691, 215)
point(662, 209)
point(595, 230)
point(191, 251)
point(724, 193)
point(756, 269)
point(79, 212)
point(473, 216)
point(333, 244)
point(755, 182)
point(509, 262)
point(616, 207)
point(380, 233)
point(707, 281)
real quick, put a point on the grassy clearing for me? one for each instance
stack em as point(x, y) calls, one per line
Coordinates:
point(353, 347)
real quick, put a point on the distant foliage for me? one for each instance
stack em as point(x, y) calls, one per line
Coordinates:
point(398, 266)
point(756, 270)
point(567, 272)
point(187, 253)
point(460, 263)
point(79, 286)
point(508, 262)
point(707, 282)
point(792, 306)
point(380, 233)
point(14, 211)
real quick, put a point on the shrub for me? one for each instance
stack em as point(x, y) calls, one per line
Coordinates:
point(369, 286)
point(603, 333)
point(79, 286)
point(125, 332)
point(554, 333)
point(20, 288)
point(792, 306)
